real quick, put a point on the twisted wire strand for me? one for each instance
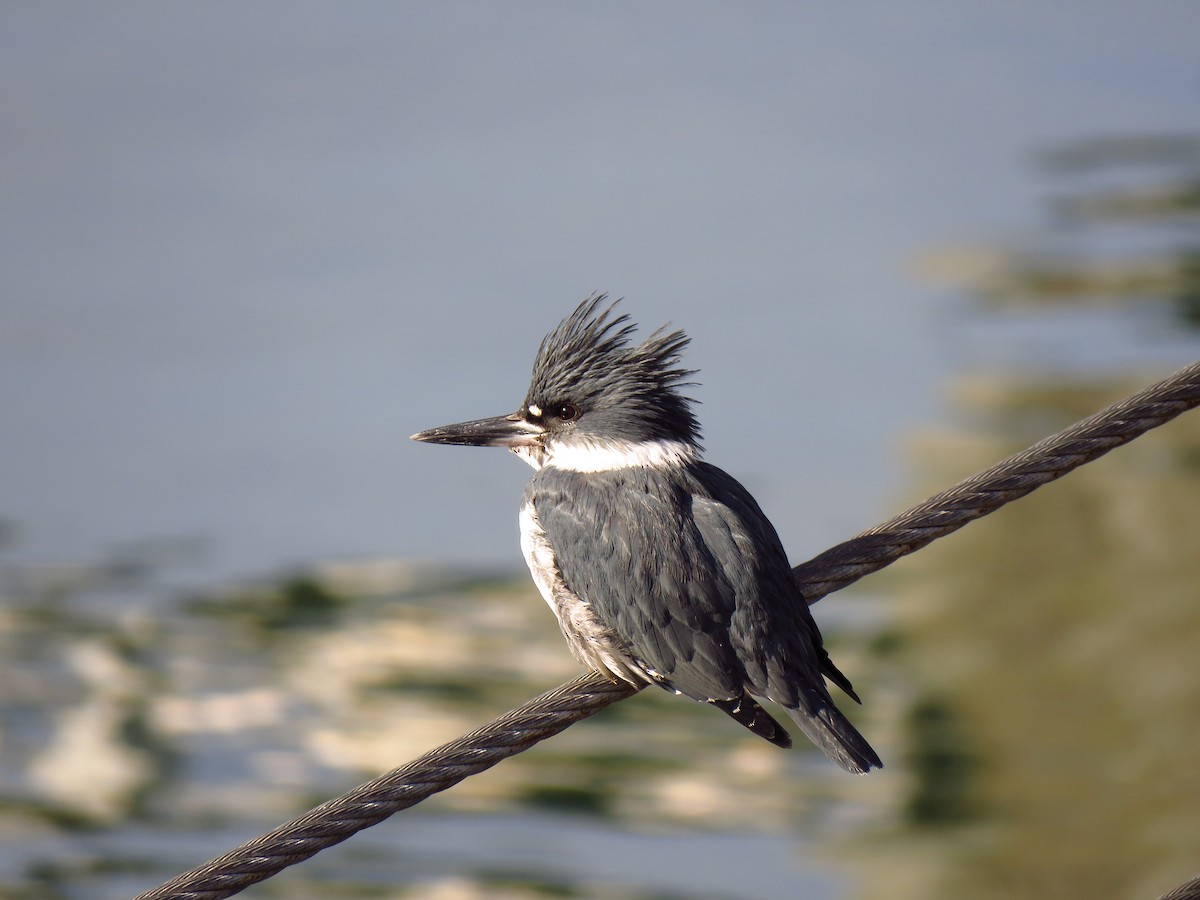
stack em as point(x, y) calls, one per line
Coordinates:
point(518, 730)
point(1009, 480)
point(1188, 891)
point(369, 804)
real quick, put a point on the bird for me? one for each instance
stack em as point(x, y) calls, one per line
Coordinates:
point(660, 567)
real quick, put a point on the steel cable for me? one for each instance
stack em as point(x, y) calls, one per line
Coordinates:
point(552, 712)
point(1008, 480)
point(1188, 891)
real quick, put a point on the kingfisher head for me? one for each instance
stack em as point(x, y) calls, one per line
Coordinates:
point(596, 400)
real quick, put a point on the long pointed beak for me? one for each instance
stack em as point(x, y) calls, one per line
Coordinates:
point(502, 431)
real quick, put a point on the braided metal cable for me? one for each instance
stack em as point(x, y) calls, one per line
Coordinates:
point(518, 730)
point(369, 804)
point(1009, 480)
point(1189, 891)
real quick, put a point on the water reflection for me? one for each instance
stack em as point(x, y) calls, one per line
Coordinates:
point(1050, 648)
point(1033, 692)
point(1039, 669)
point(1052, 652)
point(143, 734)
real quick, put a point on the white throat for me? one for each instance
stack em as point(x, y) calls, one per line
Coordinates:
point(609, 454)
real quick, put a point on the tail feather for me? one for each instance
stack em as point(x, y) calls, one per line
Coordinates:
point(837, 738)
point(834, 674)
point(825, 726)
point(747, 713)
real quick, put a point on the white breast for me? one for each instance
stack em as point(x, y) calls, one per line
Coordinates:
point(539, 555)
point(590, 641)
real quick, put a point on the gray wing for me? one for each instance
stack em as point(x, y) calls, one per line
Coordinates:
point(691, 578)
point(634, 551)
point(771, 628)
point(773, 631)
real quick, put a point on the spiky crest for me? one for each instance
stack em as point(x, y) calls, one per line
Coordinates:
point(590, 361)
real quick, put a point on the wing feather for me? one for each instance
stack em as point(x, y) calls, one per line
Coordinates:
point(631, 550)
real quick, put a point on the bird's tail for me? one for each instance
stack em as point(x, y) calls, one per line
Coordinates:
point(747, 713)
point(838, 739)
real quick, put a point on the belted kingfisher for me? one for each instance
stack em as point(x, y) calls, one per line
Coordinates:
point(660, 567)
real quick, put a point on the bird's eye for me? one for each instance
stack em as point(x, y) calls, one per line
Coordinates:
point(564, 412)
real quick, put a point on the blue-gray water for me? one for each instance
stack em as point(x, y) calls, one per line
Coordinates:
point(246, 251)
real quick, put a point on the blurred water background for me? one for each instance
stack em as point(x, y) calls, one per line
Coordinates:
point(247, 250)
